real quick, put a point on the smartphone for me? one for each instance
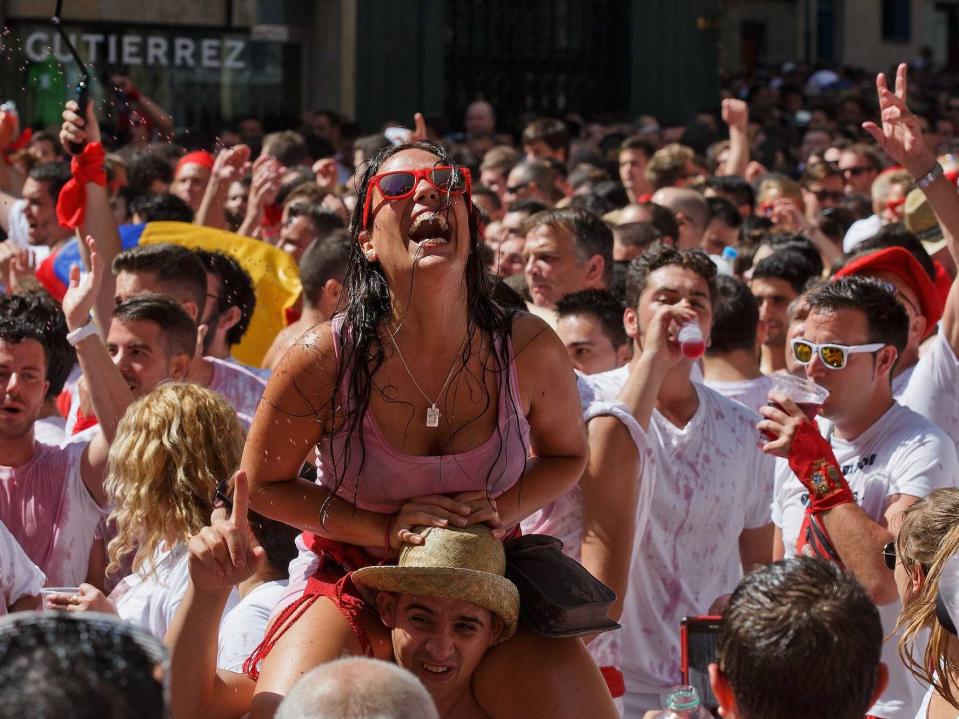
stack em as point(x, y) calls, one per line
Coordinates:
point(698, 639)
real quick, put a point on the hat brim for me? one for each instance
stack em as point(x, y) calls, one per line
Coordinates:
point(489, 591)
point(934, 245)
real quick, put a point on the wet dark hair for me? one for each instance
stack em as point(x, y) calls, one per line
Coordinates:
point(663, 219)
point(324, 260)
point(177, 268)
point(723, 209)
point(178, 330)
point(54, 174)
point(602, 305)
point(368, 309)
point(887, 318)
point(735, 317)
point(800, 612)
point(236, 290)
point(662, 255)
point(161, 208)
point(733, 187)
point(797, 243)
point(62, 665)
point(36, 316)
point(787, 265)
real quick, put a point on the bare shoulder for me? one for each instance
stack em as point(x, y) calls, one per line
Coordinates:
point(532, 334)
point(308, 367)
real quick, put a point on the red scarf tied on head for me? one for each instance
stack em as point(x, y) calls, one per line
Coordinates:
point(85, 167)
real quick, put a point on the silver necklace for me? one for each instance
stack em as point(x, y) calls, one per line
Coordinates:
point(433, 411)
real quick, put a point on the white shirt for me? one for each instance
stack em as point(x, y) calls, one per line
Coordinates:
point(923, 712)
point(711, 482)
point(47, 507)
point(859, 231)
point(901, 453)
point(563, 519)
point(244, 626)
point(50, 430)
point(751, 393)
point(19, 577)
point(239, 385)
point(933, 389)
point(150, 599)
point(901, 382)
point(19, 232)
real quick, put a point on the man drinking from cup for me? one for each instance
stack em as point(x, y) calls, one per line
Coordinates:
point(842, 479)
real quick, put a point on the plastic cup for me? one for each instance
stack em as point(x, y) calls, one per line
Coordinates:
point(807, 395)
point(804, 392)
point(45, 593)
point(691, 341)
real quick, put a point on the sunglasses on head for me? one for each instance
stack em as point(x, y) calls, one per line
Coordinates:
point(833, 356)
point(400, 184)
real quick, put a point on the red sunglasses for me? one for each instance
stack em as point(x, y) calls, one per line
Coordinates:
point(447, 179)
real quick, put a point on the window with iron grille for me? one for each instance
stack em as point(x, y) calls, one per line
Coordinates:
point(896, 20)
point(541, 57)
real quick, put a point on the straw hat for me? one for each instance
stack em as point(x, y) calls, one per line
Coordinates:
point(465, 565)
point(921, 221)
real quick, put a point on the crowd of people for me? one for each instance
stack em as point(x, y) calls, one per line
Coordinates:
point(591, 331)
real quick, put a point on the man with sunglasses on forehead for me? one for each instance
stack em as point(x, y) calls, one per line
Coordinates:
point(844, 477)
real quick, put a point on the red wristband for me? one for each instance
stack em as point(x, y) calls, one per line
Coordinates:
point(85, 167)
point(812, 460)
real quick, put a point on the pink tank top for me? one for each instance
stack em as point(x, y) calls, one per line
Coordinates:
point(390, 477)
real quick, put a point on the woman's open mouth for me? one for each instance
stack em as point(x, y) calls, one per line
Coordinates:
point(430, 228)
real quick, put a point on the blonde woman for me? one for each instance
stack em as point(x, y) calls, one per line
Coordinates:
point(172, 448)
point(928, 539)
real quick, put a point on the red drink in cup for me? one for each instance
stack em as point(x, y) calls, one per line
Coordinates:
point(807, 395)
point(691, 341)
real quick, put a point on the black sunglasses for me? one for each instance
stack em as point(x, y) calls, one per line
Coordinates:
point(889, 555)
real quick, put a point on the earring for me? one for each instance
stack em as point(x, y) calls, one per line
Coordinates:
point(371, 256)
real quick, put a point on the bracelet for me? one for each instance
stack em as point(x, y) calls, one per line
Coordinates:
point(81, 333)
point(934, 174)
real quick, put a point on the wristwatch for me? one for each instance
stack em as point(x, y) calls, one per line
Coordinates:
point(934, 174)
point(81, 333)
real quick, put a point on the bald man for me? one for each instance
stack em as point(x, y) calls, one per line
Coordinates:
point(480, 119)
point(692, 214)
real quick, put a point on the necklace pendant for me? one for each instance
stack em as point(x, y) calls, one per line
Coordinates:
point(433, 416)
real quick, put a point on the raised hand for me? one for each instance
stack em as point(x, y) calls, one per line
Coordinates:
point(660, 341)
point(226, 553)
point(900, 136)
point(231, 163)
point(735, 113)
point(326, 173)
point(77, 130)
point(82, 292)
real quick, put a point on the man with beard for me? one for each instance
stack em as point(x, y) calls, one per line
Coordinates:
point(776, 281)
point(51, 498)
point(31, 222)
